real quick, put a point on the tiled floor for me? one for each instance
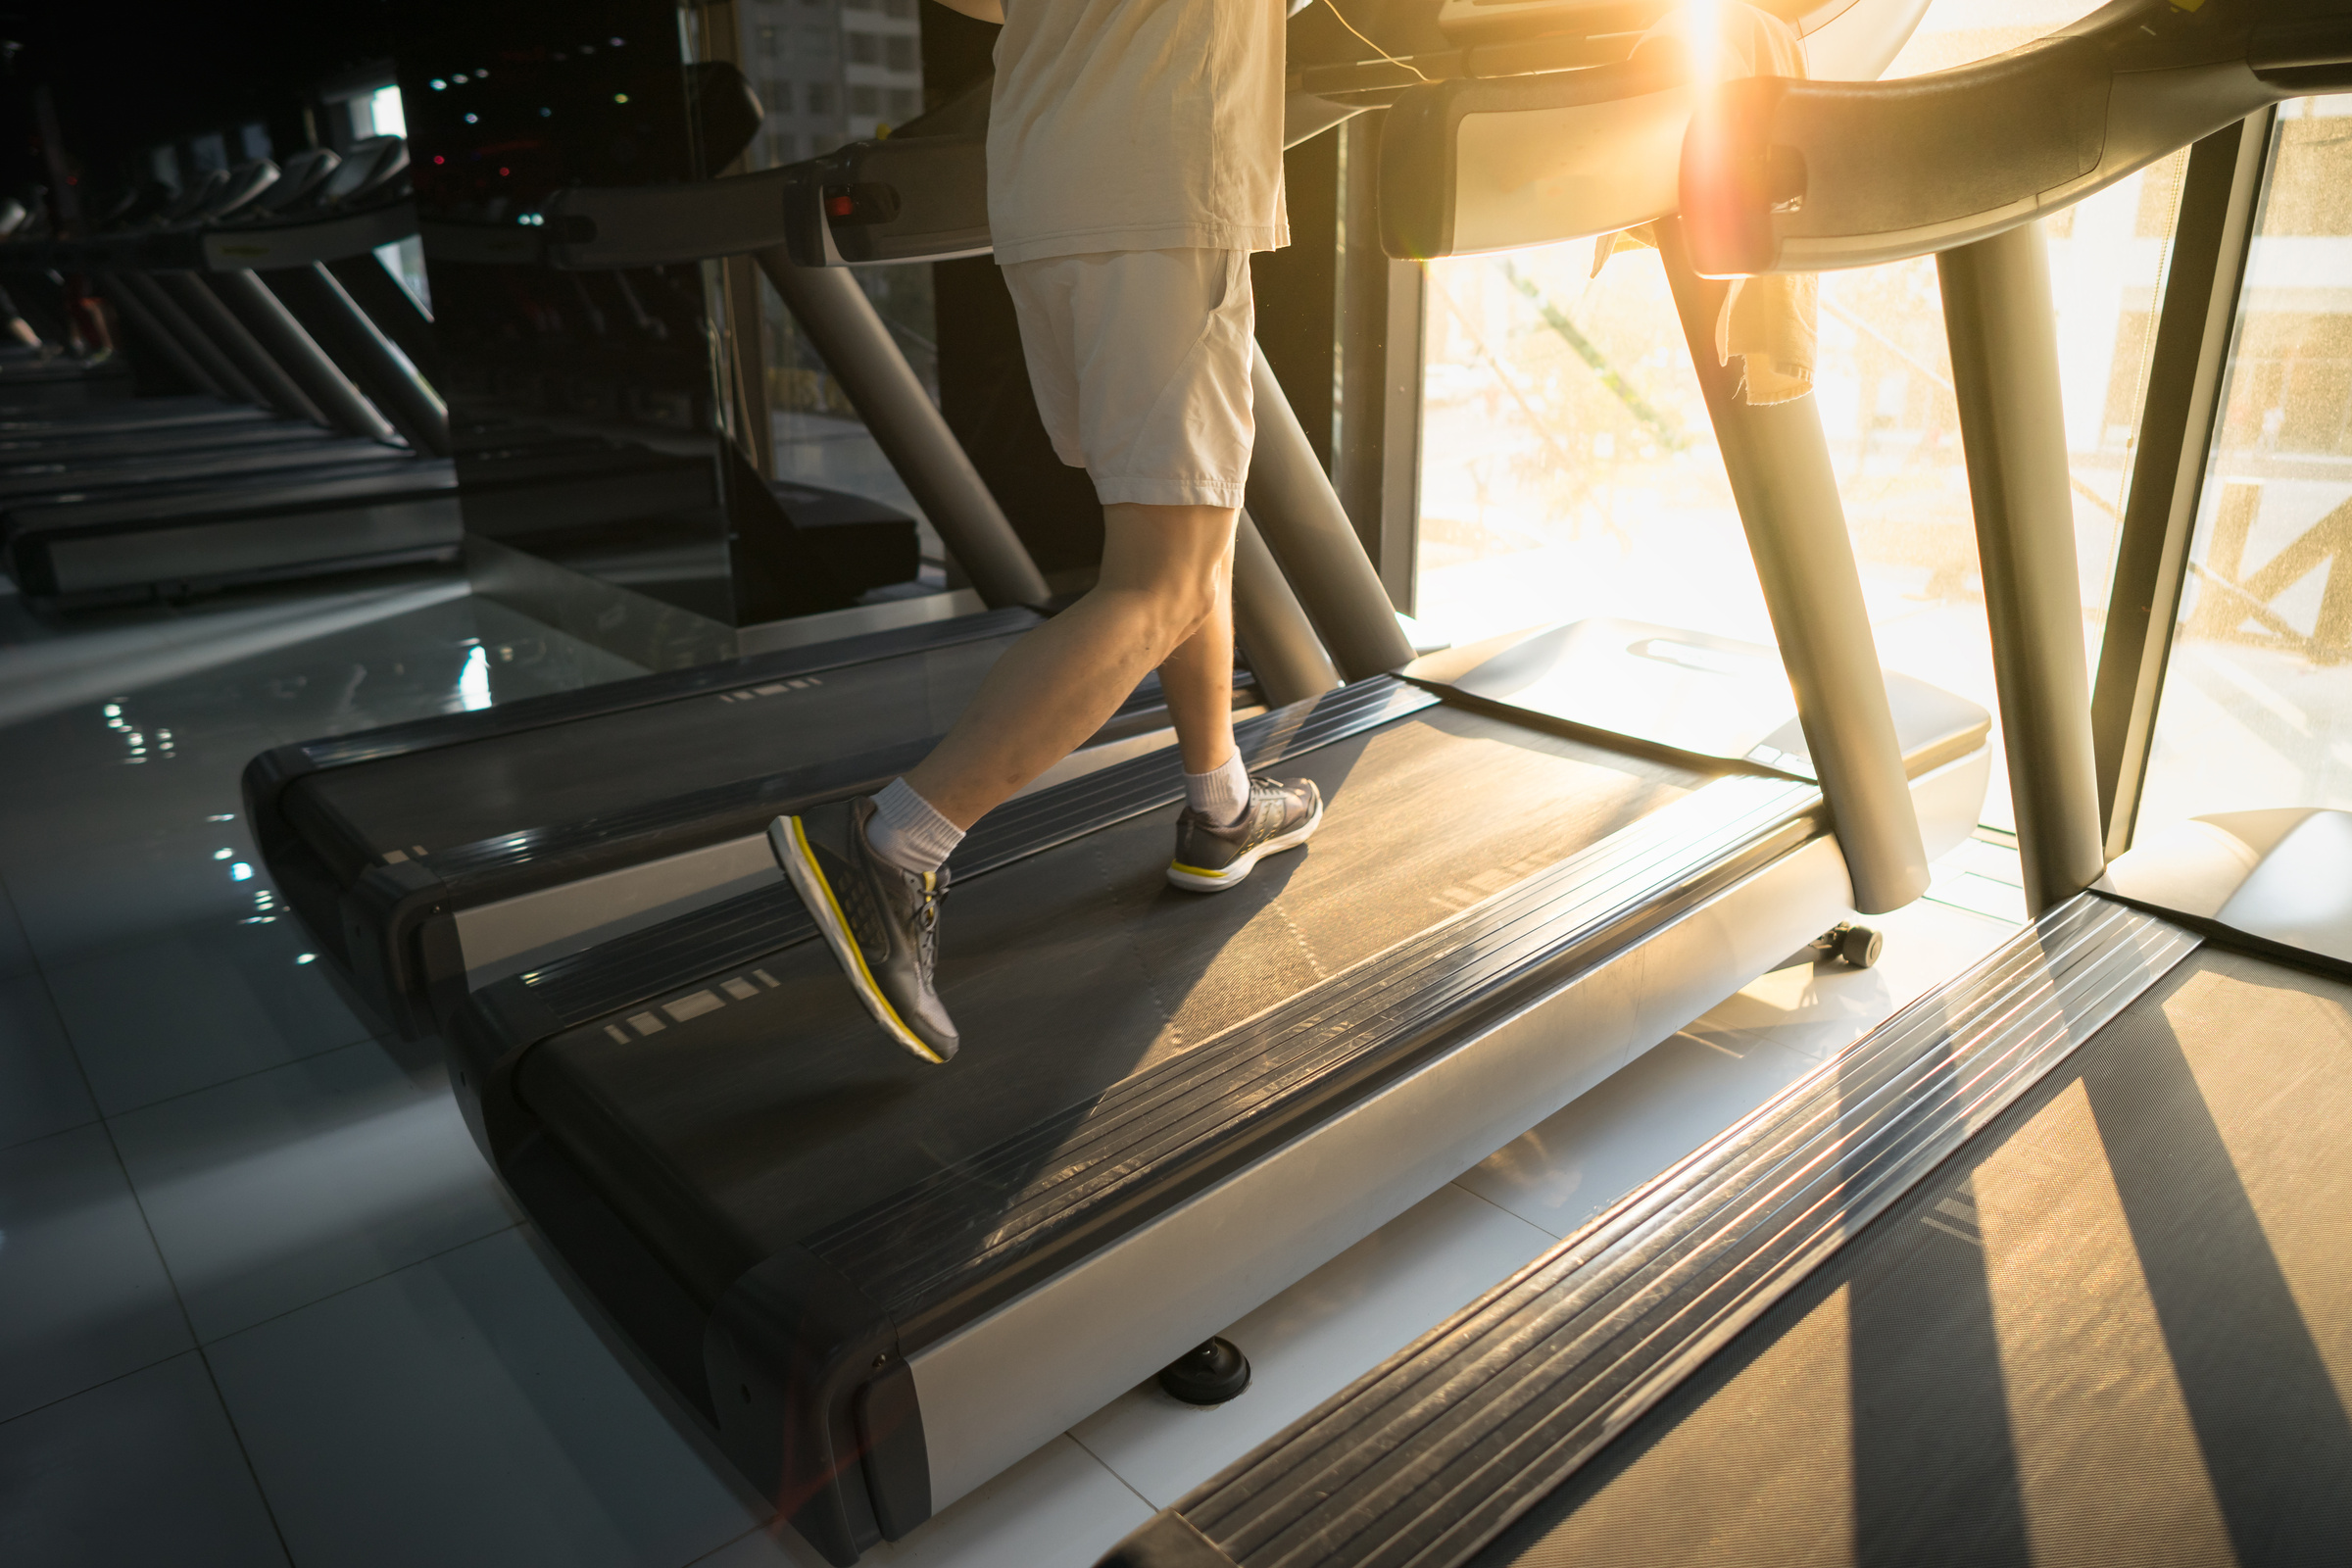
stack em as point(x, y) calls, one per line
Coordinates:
point(261, 1301)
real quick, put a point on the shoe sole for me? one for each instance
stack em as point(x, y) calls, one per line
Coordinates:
point(1200, 879)
point(797, 857)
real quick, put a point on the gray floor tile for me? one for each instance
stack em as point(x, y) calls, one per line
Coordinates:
point(182, 653)
point(452, 657)
point(113, 761)
point(1315, 1338)
point(41, 1086)
point(1057, 1508)
point(42, 1090)
point(1650, 1114)
point(270, 1191)
point(197, 1007)
point(88, 892)
point(1818, 1010)
point(461, 1411)
point(1982, 894)
point(142, 1470)
point(84, 1298)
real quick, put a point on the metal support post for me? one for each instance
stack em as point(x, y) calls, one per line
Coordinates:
point(1376, 465)
point(200, 348)
point(297, 354)
point(1276, 637)
point(856, 348)
point(158, 339)
point(1777, 461)
point(2004, 340)
point(277, 389)
point(2210, 245)
point(1301, 518)
point(386, 302)
point(326, 310)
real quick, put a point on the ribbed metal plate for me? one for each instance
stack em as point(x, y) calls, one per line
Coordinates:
point(1426, 1458)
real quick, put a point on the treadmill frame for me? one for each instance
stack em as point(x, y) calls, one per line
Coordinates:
point(410, 977)
point(861, 1407)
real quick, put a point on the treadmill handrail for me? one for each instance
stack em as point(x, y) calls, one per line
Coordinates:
point(1801, 177)
point(923, 196)
point(228, 247)
point(1477, 163)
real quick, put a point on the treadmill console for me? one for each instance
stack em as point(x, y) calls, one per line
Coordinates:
point(1470, 22)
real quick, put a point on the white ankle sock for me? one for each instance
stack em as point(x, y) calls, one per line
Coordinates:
point(909, 832)
point(1222, 794)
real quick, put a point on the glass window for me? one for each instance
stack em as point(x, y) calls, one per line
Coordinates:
point(2257, 704)
point(386, 114)
point(1569, 468)
point(818, 436)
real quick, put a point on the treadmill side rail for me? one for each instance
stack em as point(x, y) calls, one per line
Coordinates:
point(856, 1366)
point(821, 1399)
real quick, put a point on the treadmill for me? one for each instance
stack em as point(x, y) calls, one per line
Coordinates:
point(435, 858)
point(153, 503)
point(2050, 1262)
point(875, 1284)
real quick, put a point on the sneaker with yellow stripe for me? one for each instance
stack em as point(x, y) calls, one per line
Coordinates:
point(881, 923)
point(1283, 813)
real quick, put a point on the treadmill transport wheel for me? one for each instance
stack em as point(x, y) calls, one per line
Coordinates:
point(1859, 944)
point(1207, 1374)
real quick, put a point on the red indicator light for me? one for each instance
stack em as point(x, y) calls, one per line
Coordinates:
point(839, 206)
point(502, 170)
point(438, 159)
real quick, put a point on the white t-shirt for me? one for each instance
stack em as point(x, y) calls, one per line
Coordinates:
point(1135, 126)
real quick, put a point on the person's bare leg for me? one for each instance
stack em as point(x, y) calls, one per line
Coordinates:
point(1197, 681)
point(1161, 572)
point(21, 330)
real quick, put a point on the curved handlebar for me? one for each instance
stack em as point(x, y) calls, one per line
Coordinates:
point(1800, 177)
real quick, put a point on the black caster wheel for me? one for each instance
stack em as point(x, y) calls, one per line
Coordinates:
point(1860, 945)
point(1207, 1374)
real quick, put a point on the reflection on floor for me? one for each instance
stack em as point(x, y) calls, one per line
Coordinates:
point(260, 1299)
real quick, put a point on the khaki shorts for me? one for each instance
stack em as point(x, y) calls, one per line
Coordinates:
point(1141, 365)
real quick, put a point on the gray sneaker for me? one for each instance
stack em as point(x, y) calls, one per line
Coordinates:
point(881, 923)
point(1283, 813)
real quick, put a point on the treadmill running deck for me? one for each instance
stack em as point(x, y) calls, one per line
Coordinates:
point(782, 1111)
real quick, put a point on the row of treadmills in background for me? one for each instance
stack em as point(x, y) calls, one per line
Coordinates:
point(301, 433)
point(305, 431)
point(877, 1283)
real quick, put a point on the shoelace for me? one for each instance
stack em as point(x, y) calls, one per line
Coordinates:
point(1265, 792)
point(926, 915)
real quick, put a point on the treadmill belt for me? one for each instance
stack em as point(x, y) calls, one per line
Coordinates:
point(151, 478)
point(2116, 1328)
point(609, 763)
point(1066, 971)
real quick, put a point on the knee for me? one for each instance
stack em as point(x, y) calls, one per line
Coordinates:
point(1183, 599)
